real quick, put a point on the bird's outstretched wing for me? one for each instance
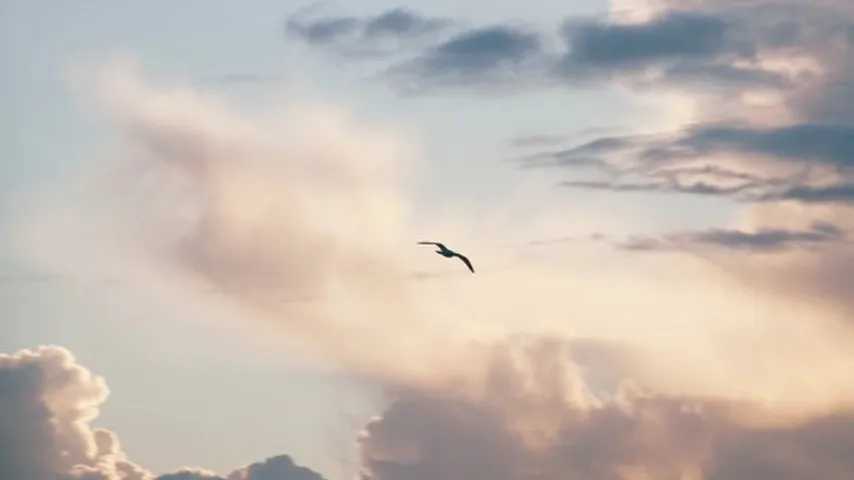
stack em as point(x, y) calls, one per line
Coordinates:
point(432, 243)
point(465, 260)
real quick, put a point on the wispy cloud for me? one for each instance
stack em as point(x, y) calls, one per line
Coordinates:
point(762, 240)
point(689, 162)
point(485, 56)
point(357, 37)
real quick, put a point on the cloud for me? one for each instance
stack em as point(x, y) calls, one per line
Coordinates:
point(672, 36)
point(832, 144)
point(762, 240)
point(482, 56)
point(839, 193)
point(281, 467)
point(300, 235)
point(534, 418)
point(803, 162)
point(731, 52)
point(190, 474)
point(355, 37)
point(402, 22)
point(299, 232)
point(47, 404)
point(829, 144)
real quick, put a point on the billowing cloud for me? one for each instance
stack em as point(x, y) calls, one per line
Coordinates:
point(191, 474)
point(539, 409)
point(47, 404)
point(281, 467)
point(535, 417)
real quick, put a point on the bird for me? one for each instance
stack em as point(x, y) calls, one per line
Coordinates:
point(448, 253)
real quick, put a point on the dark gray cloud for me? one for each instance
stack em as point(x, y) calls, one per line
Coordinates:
point(323, 30)
point(833, 144)
point(668, 163)
point(402, 22)
point(839, 193)
point(485, 56)
point(687, 48)
point(359, 36)
point(705, 47)
point(762, 240)
point(671, 36)
point(830, 144)
point(696, 188)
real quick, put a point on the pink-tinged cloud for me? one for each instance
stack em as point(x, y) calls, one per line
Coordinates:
point(47, 404)
point(526, 423)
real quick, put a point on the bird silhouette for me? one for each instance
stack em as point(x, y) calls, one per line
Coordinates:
point(448, 253)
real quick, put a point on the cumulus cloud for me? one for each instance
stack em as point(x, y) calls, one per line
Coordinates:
point(281, 467)
point(538, 409)
point(191, 474)
point(47, 404)
point(532, 418)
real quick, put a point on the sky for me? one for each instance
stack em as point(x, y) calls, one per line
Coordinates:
point(210, 215)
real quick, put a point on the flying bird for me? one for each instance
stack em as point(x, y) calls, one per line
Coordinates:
point(448, 253)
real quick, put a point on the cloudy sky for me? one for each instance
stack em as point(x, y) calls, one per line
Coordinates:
point(209, 216)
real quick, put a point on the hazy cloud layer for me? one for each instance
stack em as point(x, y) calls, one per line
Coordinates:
point(47, 404)
point(304, 235)
point(224, 202)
